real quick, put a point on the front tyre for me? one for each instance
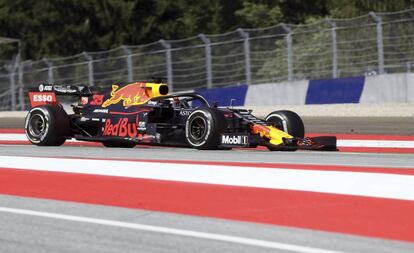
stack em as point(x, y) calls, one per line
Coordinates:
point(204, 127)
point(47, 125)
point(287, 121)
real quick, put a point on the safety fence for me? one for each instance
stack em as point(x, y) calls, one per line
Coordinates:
point(375, 43)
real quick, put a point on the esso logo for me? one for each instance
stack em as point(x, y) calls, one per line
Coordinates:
point(42, 98)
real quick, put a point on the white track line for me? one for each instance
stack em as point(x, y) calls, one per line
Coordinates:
point(375, 143)
point(20, 137)
point(13, 137)
point(171, 231)
point(382, 185)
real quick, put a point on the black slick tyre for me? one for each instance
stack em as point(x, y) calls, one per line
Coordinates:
point(287, 121)
point(204, 127)
point(47, 125)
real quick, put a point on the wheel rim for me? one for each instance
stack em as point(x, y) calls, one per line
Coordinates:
point(37, 125)
point(198, 128)
point(276, 122)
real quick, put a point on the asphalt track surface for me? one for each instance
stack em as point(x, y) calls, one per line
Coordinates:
point(22, 232)
point(39, 225)
point(28, 233)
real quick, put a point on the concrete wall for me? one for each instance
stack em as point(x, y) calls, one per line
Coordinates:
point(388, 88)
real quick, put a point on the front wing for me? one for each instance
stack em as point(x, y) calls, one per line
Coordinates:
point(322, 143)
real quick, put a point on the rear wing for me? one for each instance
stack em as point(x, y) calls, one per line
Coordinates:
point(46, 93)
point(68, 90)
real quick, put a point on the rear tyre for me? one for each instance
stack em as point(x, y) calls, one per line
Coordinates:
point(47, 125)
point(204, 127)
point(119, 144)
point(287, 121)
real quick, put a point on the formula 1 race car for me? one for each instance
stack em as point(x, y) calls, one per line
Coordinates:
point(143, 112)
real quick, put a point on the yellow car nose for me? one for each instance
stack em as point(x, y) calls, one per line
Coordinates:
point(274, 135)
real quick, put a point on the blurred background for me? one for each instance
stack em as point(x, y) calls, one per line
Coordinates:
point(199, 44)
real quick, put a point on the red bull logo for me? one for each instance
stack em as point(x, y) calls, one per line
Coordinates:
point(122, 129)
point(131, 94)
point(261, 130)
point(135, 93)
point(274, 135)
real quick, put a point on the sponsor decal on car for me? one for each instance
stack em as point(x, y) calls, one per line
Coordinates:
point(43, 87)
point(97, 99)
point(142, 126)
point(100, 110)
point(230, 139)
point(260, 129)
point(65, 89)
point(122, 128)
point(185, 113)
point(84, 100)
point(274, 135)
point(131, 94)
point(42, 98)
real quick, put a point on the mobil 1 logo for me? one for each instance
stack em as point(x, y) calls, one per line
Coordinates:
point(236, 140)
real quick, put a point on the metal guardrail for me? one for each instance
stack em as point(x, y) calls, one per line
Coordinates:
point(375, 43)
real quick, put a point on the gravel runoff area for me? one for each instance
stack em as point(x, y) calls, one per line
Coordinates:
point(394, 119)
